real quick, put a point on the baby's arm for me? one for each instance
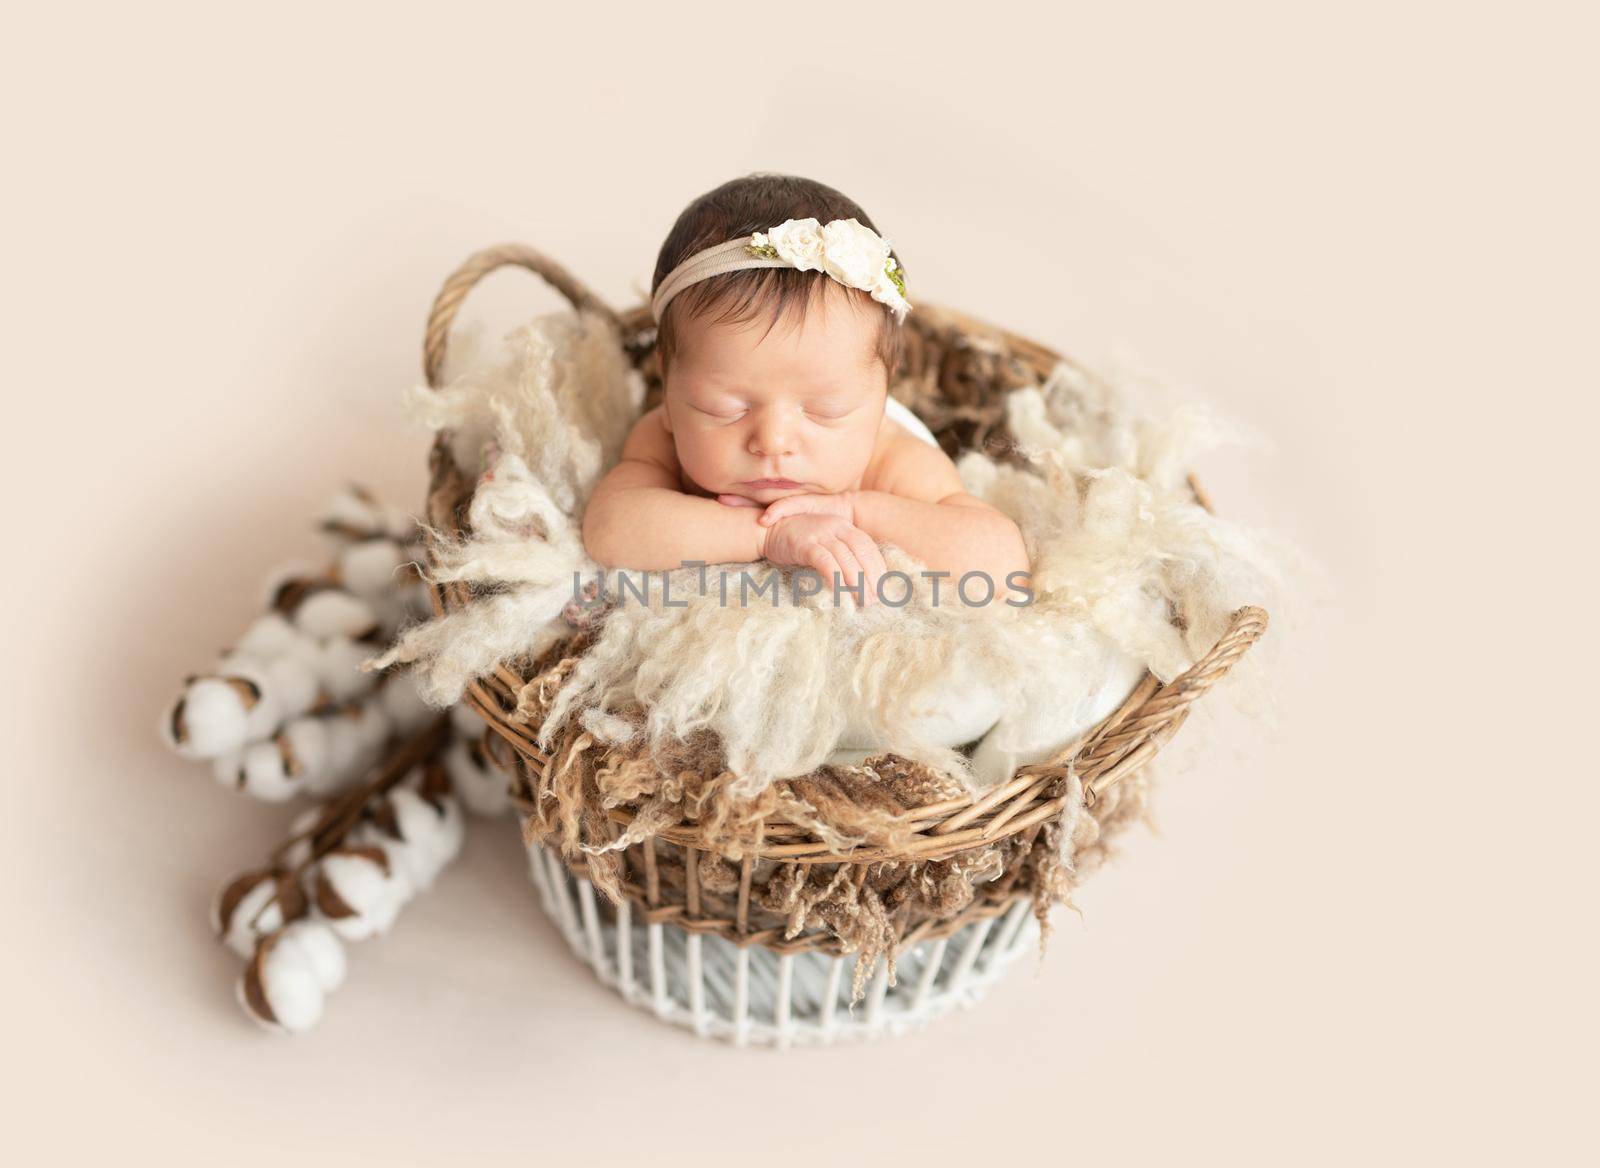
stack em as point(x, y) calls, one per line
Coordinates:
point(915, 498)
point(638, 517)
point(956, 533)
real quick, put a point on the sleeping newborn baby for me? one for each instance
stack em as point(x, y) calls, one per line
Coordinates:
point(778, 311)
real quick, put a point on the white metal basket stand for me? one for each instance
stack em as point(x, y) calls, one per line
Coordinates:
point(753, 996)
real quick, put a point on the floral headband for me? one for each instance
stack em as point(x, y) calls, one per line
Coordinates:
point(854, 255)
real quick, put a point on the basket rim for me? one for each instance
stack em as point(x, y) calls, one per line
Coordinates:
point(1111, 750)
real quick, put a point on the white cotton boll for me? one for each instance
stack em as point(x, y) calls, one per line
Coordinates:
point(210, 718)
point(481, 786)
point(266, 774)
point(352, 750)
point(354, 741)
point(225, 769)
point(259, 770)
point(432, 781)
point(352, 513)
point(296, 683)
point(368, 568)
point(415, 858)
point(430, 836)
point(270, 636)
point(343, 746)
point(338, 669)
point(333, 612)
point(403, 704)
point(355, 513)
point(281, 988)
point(285, 574)
point(248, 907)
point(304, 745)
point(368, 834)
point(303, 649)
point(359, 890)
point(254, 682)
point(321, 950)
point(418, 862)
point(418, 823)
point(289, 682)
point(370, 735)
point(452, 834)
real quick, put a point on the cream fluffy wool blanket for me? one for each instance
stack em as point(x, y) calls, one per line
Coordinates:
point(1118, 546)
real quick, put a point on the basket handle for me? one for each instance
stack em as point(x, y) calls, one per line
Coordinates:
point(476, 267)
point(1128, 744)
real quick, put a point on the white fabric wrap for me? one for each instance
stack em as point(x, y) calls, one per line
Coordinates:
point(901, 413)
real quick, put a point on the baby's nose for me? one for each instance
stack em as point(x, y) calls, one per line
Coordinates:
point(773, 435)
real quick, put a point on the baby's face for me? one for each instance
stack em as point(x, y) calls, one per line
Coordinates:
point(804, 404)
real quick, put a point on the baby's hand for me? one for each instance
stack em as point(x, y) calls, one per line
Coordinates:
point(842, 504)
point(828, 543)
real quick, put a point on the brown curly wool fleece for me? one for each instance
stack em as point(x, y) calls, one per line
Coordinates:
point(865, 909)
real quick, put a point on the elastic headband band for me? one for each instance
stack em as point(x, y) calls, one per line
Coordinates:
point(854, 255)
point(732, 256)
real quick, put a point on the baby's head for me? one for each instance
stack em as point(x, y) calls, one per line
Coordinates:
point(771, 373)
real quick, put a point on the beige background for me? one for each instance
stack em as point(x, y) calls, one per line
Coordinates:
point(1364, 231)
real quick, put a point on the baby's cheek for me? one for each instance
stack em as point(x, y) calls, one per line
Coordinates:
point(696, 463)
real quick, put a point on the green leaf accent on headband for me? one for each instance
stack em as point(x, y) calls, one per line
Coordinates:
point(895, 276)
point(765, 251)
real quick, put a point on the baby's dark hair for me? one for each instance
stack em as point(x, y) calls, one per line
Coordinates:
point(738, 207)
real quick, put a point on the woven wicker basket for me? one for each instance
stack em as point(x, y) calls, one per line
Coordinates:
point(704, 952)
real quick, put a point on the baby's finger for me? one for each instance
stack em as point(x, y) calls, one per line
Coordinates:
point(781, 509)
point(821, 560)
point(871, 558)
point(851, 570)
point(736, 501)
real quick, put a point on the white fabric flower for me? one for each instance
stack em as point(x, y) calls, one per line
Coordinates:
point(853, 254)
point(799, 242)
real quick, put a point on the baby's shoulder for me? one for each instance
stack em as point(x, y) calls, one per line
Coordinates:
point(650, 441)
point(649, 458)
point(903, 464)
